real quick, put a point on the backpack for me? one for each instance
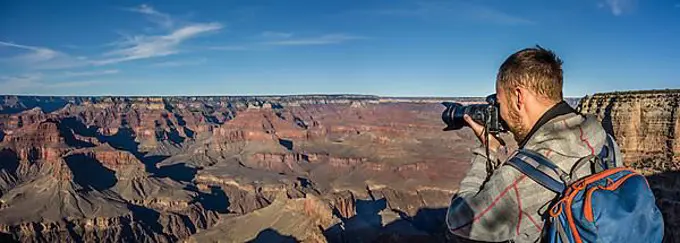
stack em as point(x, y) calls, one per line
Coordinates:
point(613, 204)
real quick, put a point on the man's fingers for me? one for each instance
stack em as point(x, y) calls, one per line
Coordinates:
point(479, 131)
point(474, 125)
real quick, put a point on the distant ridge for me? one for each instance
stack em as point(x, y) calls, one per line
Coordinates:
point(649, 91)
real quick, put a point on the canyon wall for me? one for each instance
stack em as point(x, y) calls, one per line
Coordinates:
point(646, 126)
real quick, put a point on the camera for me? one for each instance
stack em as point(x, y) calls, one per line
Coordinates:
point(486, 114)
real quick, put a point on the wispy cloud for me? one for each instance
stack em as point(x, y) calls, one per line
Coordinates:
point(318, 40)
point(72, 84)
point(142, 46)
point(148, 46)
point(462, 10)
point(40, 57)
point(90, 73)
point(162, 19)
point(33, 83)
point(619, 7)
point(179, 63)
point(20, 83)
point(130, 47)
point(35, 54)
point(274, 34)
point(229, 48)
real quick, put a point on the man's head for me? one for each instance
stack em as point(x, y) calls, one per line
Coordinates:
point(529, 82)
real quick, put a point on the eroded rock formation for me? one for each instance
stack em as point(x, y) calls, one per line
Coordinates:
point(162, 169)
point(646, 126)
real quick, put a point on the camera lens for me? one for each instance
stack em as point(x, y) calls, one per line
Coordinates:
point(454, 113)
point(487, 115)
point(450, 118)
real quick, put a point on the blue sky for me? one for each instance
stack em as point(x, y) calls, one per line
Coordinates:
point(388, 48)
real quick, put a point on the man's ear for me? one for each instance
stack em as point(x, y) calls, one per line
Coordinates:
point(520, 99)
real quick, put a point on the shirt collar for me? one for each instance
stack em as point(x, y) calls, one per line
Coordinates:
point(558, 109)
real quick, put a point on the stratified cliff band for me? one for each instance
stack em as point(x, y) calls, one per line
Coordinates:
point(646, 125)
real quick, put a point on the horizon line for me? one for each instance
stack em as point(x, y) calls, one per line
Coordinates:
point(269, 95)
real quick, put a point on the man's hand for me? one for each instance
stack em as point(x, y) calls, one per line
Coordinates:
point(494, 143)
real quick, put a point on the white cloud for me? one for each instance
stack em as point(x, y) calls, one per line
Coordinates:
point(462, 10)
point(72, 84)
point(179, 63)
point(162, 19)
point(35, 54)
point(91, 73)
point(619, 7)
point(129, 48)
point(14, 84)
point(36, 57)
point(147, 46)
point(274, 34)
point(140, 47)
point(319, 40)
point(228, 48)
point(33, 83)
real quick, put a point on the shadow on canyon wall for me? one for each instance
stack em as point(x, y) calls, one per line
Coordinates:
point(124, 139)
point(272, 236)
point(428, 224)
point(666, 190)
point(46, 104)
point(216, 200)
point(4, 237)
point(9, 161)
point(90, 173)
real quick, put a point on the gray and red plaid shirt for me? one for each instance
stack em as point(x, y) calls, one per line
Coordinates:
point(507, 206)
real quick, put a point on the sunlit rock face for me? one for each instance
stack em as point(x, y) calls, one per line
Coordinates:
point(646, 125)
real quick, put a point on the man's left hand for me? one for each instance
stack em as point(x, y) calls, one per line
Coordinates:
point(494, 143)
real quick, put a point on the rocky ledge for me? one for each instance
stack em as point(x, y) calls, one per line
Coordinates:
point(646, 126)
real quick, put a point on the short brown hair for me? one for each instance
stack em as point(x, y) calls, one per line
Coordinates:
point(536, 69)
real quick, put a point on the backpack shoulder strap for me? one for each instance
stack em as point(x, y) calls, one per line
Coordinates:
point(606, 158)
point(540, 169)
point(611, 154)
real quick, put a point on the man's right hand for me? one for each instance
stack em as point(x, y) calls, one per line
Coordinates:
point(494, 143)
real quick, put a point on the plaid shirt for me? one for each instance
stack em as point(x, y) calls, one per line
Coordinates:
point(507, 206)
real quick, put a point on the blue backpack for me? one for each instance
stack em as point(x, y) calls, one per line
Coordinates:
point(614, 204)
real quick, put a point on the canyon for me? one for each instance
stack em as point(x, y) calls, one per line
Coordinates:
point(308, 168)
point(318, 168)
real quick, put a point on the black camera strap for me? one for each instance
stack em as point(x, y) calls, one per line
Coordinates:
point(489, 164)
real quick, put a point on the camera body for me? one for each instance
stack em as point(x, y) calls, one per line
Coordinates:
point(489, 115)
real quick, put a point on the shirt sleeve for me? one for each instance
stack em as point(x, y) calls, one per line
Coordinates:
point(485, 210)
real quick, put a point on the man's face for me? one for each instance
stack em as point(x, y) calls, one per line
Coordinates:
point(510, 113)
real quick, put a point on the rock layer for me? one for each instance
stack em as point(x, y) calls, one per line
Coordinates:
point(646, 126)
point(192, 168)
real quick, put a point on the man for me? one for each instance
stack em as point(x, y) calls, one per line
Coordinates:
point(505, 205)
